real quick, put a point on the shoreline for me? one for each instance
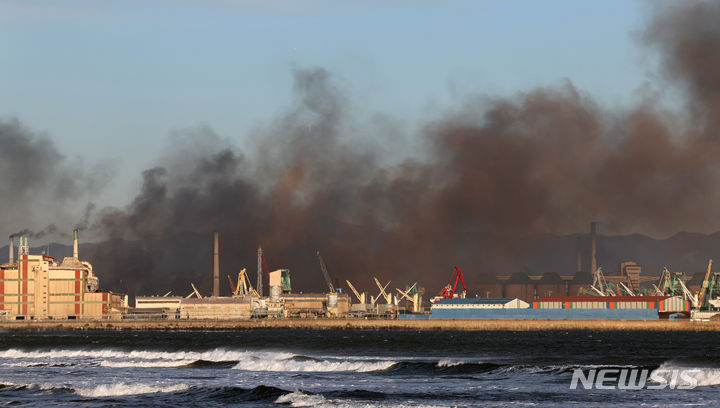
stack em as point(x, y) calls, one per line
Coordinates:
point(359, 324)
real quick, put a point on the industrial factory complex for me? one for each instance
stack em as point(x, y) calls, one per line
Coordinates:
point(39, 287)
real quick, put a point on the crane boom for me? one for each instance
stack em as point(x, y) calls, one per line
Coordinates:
point(232, 286)
point(388, 298)
point(459, 274)
point(625, 288)
point(448, 292)
point(194, 292)
point(326, 275)
point(705, 284)
point(404, 294)
point(360, 298)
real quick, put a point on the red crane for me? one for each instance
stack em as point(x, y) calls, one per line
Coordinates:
point(448, 292)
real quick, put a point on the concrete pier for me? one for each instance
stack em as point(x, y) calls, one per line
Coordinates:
point(358, 324)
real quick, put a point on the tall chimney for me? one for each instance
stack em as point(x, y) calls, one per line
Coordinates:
point(11, 256)
point(216, 268)
point(259, 272)
point(75, 244)
point(579, 255)
point(593, 246)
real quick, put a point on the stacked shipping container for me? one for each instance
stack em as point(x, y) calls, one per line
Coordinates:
point(663, 304)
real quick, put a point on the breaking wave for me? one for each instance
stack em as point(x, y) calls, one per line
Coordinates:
point(118, 389)
point(307, 364)
point(681, 374)
point(301, 399)
point(147, 363)
point(449, 363)
point(218, 354)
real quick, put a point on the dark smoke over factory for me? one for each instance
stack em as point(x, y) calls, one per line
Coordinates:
point(491, 177)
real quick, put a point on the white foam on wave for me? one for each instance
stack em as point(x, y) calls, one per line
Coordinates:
point(704, 376)
point(145, 363)
point(215, 355)
point(286, 364)
point(449, 363)
point(300, 399)
point(118, 389)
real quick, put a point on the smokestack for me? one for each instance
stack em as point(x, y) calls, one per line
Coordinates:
point(216, 268)
point(259, 272)
point(593, 246)
point(11, 256)
point(579, 255)
point(75, 244)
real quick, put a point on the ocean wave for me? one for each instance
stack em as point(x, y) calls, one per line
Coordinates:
point(215, 355)
point(301, 399)
point(119, 389)
point(35, 364)
point(703, 376)
point(146, 363)
point(449, 363)
point(311, 365)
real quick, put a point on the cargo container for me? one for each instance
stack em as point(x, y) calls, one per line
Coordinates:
point(663, 304)
point(537, 314)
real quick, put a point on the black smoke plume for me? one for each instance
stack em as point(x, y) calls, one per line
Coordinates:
point(40, 188)
point(493, 176)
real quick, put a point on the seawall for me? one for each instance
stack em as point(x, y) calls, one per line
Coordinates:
point(360, 324)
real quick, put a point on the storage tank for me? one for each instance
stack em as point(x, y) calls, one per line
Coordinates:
point(275, 292)
point(551, 284)
point(520, 286)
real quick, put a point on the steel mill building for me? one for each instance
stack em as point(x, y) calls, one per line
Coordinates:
point(38, 287)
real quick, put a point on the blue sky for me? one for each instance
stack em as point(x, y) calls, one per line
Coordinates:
point(111, 79)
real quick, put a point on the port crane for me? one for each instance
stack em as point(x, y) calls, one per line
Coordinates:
point(194, 292)
point(674, 284)
point(600, 286)
point(413, 295)
point(705, 286)
point(360, 296)
point(383, 293)
point(243, 288)
point(448, 292)
point(621, 286)
point(326, 275)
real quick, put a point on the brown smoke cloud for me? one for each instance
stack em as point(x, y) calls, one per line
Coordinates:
point(494, 176)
